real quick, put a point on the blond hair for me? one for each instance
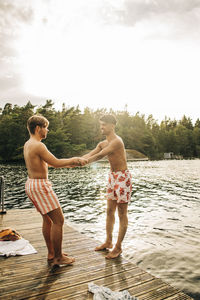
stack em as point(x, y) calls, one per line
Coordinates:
point(36, 120)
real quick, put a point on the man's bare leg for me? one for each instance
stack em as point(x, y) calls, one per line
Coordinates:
point(110, 220)
point(46, 230)
point(123, 224)
point(56, 235)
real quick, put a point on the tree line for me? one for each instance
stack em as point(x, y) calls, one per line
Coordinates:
point(71, 132)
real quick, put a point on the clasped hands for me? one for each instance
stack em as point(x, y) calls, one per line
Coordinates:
point(79, 161)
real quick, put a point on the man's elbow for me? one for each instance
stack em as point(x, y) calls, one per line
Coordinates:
point(55, 163)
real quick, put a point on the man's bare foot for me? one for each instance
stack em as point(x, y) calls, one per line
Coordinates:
point(104, 246)
point(64, 260)
point(114, 253)
point(50, 258)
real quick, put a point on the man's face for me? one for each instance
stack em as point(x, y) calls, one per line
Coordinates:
point(106, 128)
point(43, 132)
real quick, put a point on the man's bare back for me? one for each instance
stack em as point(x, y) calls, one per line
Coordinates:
point(37, 167)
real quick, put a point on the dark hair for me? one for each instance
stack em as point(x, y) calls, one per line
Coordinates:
point(36, 120)
point(108, 119)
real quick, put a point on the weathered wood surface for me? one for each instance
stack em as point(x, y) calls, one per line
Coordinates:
point(29, 277)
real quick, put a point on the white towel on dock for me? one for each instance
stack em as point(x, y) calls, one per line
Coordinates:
point(104, 293)
point(18, 247)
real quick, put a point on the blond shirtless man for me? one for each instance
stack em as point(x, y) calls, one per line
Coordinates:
point(119, 183)
point(39, 188)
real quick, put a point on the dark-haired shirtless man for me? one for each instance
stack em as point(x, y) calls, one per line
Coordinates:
point(119, 183)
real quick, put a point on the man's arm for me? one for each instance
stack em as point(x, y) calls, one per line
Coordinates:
point(105, 151)
point(93, 152)
point(51, 160)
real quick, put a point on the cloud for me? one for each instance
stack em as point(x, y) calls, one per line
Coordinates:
point(19, 97)
point(12, 11)
point(12, 16)
point(79, 51)
point(171, 18)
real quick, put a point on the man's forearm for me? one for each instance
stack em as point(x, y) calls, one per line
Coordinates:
point(65, 162)
point(95, 157)
point(61, 163)
point(88, 155)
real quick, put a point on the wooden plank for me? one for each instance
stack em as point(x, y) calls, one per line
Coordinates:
point(68, 292)
point(29, 277)
point(94, 268)
point(87, 248)
point(151, 284)
point(73, 283)
point(159, 293)
point(178, 296)
point(87, 295)
point(88, 262)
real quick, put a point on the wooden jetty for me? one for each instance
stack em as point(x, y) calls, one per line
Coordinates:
point(29, 277)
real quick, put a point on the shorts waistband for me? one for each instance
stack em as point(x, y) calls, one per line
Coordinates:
point(120, 172)
point(38, 179)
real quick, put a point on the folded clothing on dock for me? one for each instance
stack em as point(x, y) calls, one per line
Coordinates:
point(12, 243)
point(9, 234)
point(104, 293)
point(18, 247)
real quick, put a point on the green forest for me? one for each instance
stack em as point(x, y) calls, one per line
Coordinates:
point(71, 132)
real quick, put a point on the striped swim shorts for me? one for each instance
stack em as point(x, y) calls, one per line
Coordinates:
point(41, 194)
point(119, 186)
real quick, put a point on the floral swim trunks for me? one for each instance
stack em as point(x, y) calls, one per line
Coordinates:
point(119, 186)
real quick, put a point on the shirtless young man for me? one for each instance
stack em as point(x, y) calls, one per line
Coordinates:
point(119, 184)
point(39, 188)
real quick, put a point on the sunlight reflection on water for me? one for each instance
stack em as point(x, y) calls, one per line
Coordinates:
point(164, 230)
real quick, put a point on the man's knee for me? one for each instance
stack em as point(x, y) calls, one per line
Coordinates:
point(110, 211)
point(47, 220)
point(59, 221)
point(57, 217)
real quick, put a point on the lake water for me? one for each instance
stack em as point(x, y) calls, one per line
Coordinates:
point(163, 236)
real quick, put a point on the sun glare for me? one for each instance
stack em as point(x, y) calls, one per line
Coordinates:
point(82, 61)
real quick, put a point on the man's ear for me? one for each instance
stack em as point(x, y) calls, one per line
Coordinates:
point(37, 128)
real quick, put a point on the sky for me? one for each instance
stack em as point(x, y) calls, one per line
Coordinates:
point(139, 55)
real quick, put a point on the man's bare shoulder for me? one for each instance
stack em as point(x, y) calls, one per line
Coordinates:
point(34, 145)
point(115, 144)
point(117, 141)
point(103, 144)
